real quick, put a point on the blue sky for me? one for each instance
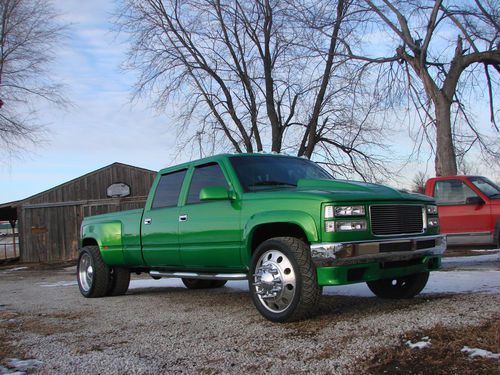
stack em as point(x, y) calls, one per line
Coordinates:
point(102, 126)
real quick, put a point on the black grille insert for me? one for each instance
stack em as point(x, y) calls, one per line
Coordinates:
point(396, 246)
point(396, 219)
point(426, 244)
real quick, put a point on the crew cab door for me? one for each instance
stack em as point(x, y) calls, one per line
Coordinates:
point(456, 216)
point(209, 231)
point(160, 222)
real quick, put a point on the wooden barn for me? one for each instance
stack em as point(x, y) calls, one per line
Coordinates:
point(49, 222)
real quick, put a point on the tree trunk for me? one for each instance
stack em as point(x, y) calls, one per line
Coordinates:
point(446, 163)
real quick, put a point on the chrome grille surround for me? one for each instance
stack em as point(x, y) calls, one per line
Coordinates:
point(397, 219)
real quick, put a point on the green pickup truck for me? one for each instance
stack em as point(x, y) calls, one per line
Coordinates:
point(280, 222)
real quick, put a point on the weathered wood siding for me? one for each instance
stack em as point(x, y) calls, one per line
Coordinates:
point(49, 222)
point(93, 185)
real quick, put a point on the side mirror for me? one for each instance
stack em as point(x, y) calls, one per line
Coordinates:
point(474, 201)
point(211, 193)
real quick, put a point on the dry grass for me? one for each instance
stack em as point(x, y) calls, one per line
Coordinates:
point(7, 349)
point(444, 356)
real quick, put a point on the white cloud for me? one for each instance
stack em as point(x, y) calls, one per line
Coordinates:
point(101, 126)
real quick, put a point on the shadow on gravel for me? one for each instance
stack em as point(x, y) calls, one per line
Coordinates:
point(330, 309)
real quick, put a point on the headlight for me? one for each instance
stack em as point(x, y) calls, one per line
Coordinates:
point(432, 222)
point(345, 225)
point(432, 210)
point(340, 211)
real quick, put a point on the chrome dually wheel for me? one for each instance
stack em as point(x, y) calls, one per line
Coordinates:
point(85, 272)
point(274, 281)
point(92, 273)
point(283, 282)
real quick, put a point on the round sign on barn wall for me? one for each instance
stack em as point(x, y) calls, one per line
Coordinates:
point(118, 190)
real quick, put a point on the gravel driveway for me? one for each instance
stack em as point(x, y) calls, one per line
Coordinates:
point(176, 330)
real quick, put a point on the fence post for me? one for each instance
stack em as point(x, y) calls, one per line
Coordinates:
point(13, 225)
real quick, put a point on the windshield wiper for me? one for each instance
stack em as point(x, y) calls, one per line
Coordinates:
point(271, 183)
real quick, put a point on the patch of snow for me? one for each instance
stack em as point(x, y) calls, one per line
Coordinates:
point(59, 283)
point(475, 352)
point(425, 343)
point(439, 282)
point(495, 257)
point(452, 281)
point(20, 366)
point(5, 370)
point(17, 269)
point(152, 283)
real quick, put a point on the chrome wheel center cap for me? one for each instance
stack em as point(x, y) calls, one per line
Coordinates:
point(90, 271)
point(268, 281)
point(267, 278)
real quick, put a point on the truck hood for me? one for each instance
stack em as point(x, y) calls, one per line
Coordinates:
point(342, 190)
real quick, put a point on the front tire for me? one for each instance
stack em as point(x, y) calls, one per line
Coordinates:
point(92, 273)
point(283, 284)
point(399, 288)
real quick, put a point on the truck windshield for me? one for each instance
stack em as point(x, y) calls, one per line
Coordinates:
point(489, 188)
point(272, 172)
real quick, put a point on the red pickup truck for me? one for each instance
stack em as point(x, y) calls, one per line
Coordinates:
point(469, 209)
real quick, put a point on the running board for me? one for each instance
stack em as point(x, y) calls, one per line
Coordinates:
point(197, 275)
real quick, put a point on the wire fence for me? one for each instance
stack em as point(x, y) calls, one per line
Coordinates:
point(9, 250)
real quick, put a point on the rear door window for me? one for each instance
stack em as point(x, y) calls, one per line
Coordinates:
point(204, 176)
point(168, 190)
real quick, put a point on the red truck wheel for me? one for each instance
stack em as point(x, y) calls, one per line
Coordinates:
point(399, 288)
point(283, 284)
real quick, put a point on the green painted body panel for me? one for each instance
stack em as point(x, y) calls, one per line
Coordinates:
point(341, 275)
point(216, 235)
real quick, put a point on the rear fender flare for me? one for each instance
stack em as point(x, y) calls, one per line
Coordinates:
point(109, 239)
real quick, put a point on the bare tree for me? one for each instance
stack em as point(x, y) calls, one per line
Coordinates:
point(468, 167)
point(29, 31)
point(419, 181)
point(258, 75)
point(444, 51)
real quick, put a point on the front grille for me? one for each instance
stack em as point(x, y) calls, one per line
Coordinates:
point(396, 219)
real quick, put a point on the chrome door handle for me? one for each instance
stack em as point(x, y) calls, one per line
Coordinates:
point(183, 217)
point(147, 221)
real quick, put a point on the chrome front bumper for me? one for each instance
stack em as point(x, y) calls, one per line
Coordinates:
point(358, 252)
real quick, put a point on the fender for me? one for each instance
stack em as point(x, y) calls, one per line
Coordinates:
point(109, 239)
point(299, 218)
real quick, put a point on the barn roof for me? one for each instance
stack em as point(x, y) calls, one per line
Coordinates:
point(8, 209)
point(87, 175)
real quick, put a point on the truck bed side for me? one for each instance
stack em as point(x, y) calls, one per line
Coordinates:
point(118, 236)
